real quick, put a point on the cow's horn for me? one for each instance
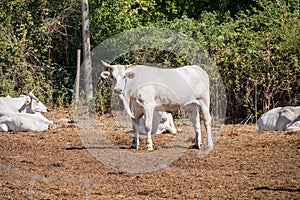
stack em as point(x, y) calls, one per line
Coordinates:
point(128, 66)
point(31, 95)
point(106, 64)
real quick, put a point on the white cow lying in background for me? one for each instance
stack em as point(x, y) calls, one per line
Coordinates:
point(280, 119)
point(23, 114)
point(22, 104)
point(23, 122)
point(162, 122)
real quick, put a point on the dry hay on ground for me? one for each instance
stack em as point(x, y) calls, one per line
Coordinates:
point(55, 165)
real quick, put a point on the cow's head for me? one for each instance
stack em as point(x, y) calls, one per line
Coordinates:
point(119, 74)
point(32, 104)
point(36, 104)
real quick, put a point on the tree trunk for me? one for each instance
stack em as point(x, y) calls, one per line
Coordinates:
point(87, 66)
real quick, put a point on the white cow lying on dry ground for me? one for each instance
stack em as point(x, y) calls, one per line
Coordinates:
point(22, 104)
point(280, 119)
point(162, 122)
point(23, 114)
point(24, 122)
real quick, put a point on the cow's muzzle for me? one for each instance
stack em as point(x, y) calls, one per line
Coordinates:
point(118, 91)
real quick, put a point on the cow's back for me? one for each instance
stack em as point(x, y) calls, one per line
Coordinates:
point(11, 105)
point(169, 86)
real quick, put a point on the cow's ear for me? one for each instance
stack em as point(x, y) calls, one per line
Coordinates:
point(27, 102)
point(105, 74)
point(130, 75)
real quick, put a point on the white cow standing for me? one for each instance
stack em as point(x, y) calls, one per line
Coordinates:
point(162, 122)
point(280, 119)
point(145, 90)
point(23, 114)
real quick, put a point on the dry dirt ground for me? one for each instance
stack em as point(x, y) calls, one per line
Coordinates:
point(56, 165)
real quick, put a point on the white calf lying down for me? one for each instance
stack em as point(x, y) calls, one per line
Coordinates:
point(280, 119)
point(162, 122)
point(23, 122)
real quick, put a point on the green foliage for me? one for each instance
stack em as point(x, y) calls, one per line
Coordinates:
point(28, 30)
point(260, 59)
point(112, 17)
point(255, 45)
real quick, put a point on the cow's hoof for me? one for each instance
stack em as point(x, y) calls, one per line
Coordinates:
point(149, 147)
point(134, 146)
point(207, 149)
point(197, 146)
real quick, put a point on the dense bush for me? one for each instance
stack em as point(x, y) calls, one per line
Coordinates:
point(33, 35)
point(255, 45)
point(259, 59)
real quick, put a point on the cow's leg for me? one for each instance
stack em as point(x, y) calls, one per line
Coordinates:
point(3, 123)
point(136, 130)
point(148, 113)
point(207, 121)
point(294, 125)
point(171, 127)
point(3, 127)
point(138, 113)
point(195, 118)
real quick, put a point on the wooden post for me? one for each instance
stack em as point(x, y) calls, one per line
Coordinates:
point(87, 66)
point(77, 78)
